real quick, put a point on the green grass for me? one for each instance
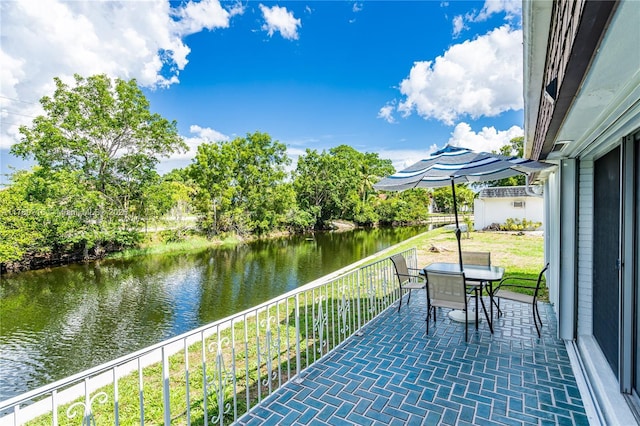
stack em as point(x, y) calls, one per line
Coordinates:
point(517, 253)
point(190, 244)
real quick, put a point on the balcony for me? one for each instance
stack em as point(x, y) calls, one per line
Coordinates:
point(394, 374)
point(335, 351)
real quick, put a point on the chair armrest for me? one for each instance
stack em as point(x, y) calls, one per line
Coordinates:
point(505, 283)
point(422, 277)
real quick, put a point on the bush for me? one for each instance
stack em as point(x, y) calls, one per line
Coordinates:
point(173, 235)
point(520, 225)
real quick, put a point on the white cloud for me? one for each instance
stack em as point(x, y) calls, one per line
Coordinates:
point(202, 135)
point(280, 19)
point(458, 25)
point(125, 39)
point(206, 14)
point(403, 158)
point(480, 77)
point(386, 112)
point(511, 8)
point(486, 140)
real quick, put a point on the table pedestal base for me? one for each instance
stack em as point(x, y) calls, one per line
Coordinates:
point(458, 316)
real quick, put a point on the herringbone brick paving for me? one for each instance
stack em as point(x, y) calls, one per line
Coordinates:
point(394, 374)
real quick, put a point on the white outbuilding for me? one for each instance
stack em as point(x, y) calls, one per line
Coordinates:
point(496, 205)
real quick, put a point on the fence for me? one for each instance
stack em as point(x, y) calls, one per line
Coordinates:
point(216, 373)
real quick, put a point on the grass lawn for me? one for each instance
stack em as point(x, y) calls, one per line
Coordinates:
point(521, 254)
point(517, 253)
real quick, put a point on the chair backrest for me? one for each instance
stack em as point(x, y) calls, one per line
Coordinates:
point(400, 263)
point(447, 288)
point(481, 258)
point(540, 276)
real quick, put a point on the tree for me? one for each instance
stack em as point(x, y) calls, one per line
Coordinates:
point(514, 148)
point(103, 129)
point(443, 199)
point(336, 184)
point(406, 207)
point(48, 213)
point(241, 185)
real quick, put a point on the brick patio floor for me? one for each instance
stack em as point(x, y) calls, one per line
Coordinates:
point(394, 374)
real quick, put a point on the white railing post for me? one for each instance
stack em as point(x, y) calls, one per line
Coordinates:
point(116, 399)
point(140, 391)
point(54, 407)
point(358, 286)
point(166, 388)
point(298, 355)
point(186, 377)
point(16, 413)
point(205, 380)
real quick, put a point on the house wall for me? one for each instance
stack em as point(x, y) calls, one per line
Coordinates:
point(585, 249)
point(552, 238)
point(592, 53)
point(497, 210)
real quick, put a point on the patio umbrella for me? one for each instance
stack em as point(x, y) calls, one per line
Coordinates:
point(452, 165)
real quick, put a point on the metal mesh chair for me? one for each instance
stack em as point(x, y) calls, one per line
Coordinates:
point(408, 278)
point(446, 290)
point(481, 258)
point(531, 297)
point(476, 258)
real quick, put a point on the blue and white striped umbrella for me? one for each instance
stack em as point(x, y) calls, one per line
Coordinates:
point(452, 165)
point(460, 165)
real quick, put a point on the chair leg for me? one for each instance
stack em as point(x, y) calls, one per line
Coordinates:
point(430, 308)
point(409, 299)
point(486, 314)
point(536, 313)
point(496, 303)
point(428, 314)
point(476, 291)
point(400, 304)
point(466, 327)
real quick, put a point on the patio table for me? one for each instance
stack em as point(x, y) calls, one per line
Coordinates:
point(475, 276)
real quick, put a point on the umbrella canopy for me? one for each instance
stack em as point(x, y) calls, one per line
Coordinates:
point(460, 165)
point(452, 165)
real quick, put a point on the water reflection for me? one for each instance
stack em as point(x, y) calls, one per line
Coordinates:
point(60, 321)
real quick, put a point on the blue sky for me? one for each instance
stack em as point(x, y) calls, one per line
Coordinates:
point(400, 78)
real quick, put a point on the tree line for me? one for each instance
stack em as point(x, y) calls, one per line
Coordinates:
point(94, 185)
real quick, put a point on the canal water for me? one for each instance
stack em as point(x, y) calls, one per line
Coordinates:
point(61, 321)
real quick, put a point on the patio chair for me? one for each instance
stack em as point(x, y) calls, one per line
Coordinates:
point(476, 258)
point(408, 278)
point(531, 297)
point(446, 290)
point(481, 258)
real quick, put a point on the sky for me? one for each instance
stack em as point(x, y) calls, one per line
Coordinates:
point(398, 78)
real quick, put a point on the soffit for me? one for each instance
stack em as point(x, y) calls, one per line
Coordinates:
point(607, 104)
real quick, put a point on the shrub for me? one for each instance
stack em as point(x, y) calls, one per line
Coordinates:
point(512, 224)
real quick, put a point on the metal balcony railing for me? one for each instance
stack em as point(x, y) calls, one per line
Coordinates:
point(218, 372)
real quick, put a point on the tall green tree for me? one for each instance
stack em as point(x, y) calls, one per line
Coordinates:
point(49, 213)
point(406, 207)
point(102, 128)
point(515, 147)
point(241, 185)
point(336, 184)
point(443, 199)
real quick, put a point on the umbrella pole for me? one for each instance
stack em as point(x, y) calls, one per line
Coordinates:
point(455, 211)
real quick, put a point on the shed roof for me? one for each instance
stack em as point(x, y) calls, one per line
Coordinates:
point(503, 192)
